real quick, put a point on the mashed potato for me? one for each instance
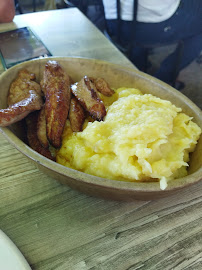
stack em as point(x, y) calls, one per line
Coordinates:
point(142, 138)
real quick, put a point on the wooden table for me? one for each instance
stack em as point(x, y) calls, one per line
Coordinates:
point(56, 227)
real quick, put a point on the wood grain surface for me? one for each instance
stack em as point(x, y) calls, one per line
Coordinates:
point(58, 228)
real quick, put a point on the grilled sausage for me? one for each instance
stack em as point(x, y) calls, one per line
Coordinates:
point(86, 93)
point(56, 87)
point(21, 109)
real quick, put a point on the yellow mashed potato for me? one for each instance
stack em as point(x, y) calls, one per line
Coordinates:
point(142, 138)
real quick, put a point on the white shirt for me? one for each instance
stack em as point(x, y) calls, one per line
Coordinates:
point(150, 11)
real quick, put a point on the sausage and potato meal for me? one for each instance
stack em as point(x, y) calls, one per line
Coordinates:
point(119, 134)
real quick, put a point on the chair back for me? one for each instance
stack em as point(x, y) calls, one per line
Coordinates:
point(116, 40)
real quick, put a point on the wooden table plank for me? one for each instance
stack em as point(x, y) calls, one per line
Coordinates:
point(66, 32)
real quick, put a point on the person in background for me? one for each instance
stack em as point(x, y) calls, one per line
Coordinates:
point(7, 11)
point(157, 23)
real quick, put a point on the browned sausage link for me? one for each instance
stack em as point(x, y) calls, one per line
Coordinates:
point(76, 115)
point(87, 95)
point(34, 143)
point(56, 87)
point(21, 86)
point(21, 109)
point(102, 86)
point(41, 128)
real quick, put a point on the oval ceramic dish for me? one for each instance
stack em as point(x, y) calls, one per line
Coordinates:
point(116, 76)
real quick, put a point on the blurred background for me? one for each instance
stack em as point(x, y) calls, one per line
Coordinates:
point(93, 9)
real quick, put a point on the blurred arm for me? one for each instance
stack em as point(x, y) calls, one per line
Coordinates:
point(7, 11)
